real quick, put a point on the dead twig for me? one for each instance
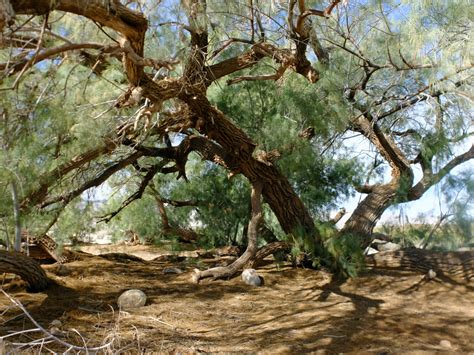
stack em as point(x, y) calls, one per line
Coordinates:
point(47, 333)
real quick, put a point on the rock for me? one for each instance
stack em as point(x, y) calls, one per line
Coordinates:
point(250, 277)
point(131, 299)
point(389, 246)
point(172, 270)
point(370, 251)
point(56, 323)
point(431, 274)
point(445, 344)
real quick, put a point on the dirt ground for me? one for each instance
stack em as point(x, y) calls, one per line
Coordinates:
point(296, 311)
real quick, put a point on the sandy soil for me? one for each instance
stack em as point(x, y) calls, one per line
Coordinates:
point(297, 311)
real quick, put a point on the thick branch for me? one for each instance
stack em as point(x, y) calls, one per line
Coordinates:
point(384, 143)
point(266, 250)
point(110, 13)
point(24, 64)
point(430, 179)
point(205, 147)
point(364, 189)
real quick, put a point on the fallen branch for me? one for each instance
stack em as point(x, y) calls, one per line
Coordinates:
point(48, 334)
point(266, 250)
point(27, 268)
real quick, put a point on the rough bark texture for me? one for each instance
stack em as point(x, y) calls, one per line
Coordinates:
point(191, 88)
point(453, 265)
point(368, 212)
point(277, 191)
point(269, 249)
point(6, 14)
point(28, 269)
point(380, 196)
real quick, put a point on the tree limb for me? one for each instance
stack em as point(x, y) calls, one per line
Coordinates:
point(98, 180)
point(430, 179)
point(46, 181)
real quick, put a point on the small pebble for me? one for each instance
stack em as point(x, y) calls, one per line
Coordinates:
point(445, 344)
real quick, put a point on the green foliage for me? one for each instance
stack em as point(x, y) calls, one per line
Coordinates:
point(63, 108)
point(75, 223)
point(142, 218)
point(346, 254)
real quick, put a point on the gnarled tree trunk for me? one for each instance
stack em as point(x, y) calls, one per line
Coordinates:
point(27, 268)
point(368, 212)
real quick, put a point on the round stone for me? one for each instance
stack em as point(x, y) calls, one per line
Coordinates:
point(131, 299)
point(250, 277)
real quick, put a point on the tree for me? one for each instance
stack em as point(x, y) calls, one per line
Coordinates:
point(409, 97)
point(355, 67)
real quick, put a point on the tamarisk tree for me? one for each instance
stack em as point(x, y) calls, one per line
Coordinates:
point(397, 74)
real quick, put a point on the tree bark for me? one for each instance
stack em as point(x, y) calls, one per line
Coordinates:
point(399, 189)
point(6, 14)
point(266, 250)
point(367, 213)
point(380, 196)
point(277, 191)
point(27, 268)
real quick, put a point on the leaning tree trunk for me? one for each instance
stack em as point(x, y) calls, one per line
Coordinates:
point(27, 268)
point(368, 212)
point(277, 191)
point(379, 196)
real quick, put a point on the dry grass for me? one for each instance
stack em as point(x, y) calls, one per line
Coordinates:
point(296, 311)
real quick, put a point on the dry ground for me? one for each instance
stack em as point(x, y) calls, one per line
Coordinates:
point(297, 311)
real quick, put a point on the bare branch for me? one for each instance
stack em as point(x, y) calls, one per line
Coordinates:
point(152, 171)
point(13, 68)
point(227, 43)
point(279, 73)
point(50, 335)
point(429, 179)
point(40, 193)
point(98, 180)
